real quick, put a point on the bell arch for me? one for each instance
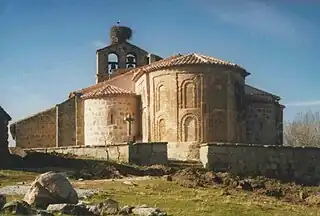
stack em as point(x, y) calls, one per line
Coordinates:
point(131, 60)
point(113, 62)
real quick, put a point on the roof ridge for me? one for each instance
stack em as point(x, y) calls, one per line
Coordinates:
point(106, 89)
point(201, 57)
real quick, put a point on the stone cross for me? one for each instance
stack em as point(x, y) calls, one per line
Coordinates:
point(129, 119)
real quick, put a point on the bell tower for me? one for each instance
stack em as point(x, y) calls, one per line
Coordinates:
point(120, 55)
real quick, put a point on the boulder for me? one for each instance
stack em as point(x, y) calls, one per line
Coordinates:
point(70, 209)
point(126, 210)
point(245, 186)
point(3, 200)
point(147, 211)
point(17, 207)
point(51, 188)
point(108, 207)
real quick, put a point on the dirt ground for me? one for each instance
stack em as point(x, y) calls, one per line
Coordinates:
point(289, 192)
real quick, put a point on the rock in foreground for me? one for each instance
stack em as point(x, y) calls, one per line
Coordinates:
point(51, 188)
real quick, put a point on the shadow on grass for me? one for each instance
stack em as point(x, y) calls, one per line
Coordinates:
point(80, 167)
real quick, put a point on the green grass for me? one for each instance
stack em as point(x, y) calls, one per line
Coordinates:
point(11, 177)
point(178, 200)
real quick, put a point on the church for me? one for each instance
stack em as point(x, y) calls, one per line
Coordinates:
point(184, 100)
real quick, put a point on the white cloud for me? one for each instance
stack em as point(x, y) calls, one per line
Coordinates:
point(303, 103)
point(258, 16)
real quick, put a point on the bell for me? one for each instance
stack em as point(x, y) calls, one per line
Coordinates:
point(130, 66)
point(113, 66)
point(130, 59)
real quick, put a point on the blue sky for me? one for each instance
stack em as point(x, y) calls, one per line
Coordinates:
point(47, 48)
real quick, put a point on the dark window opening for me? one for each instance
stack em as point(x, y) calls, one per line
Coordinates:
point(131, 61)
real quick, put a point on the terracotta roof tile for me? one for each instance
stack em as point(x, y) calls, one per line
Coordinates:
point(106, 90)
point(180, 60)
point(101, 84)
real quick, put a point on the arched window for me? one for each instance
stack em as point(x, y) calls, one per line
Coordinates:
point(161, 130)
point(113, 62)
point(190, 129)
point(190, 94)
point(161, 97)
point(131, 61)
point(111, 118)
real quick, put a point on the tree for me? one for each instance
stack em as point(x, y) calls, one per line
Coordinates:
point(304, 130)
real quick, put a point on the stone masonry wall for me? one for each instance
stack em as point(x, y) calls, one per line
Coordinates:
point(121, 51)
point(104, 119)
point(186, 106)
point(149, 153)
point(300, 164)
point(263, 121)
point(79, 120)
point(4, 136)
point(66, 123)
point(118, 152)
point(37, 131)
point(137, 153)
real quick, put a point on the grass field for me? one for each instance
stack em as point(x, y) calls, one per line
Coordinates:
point(178, 200)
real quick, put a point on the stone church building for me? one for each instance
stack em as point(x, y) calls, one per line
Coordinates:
point(184, 100)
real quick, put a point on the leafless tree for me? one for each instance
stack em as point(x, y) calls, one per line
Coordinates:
point(304, 130)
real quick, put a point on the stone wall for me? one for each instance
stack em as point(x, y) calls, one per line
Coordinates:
point(62, 125)
point(104, 119)
point(189, 105)
point(137, 153)
point(288, 163)
point(116, 152)
point(183, 151)
point(263, 120)
point(123, 81)
point(79, 120)
point(121, 51)
point(37, 131)
point(66, 119)
point(4, 121)
point(149, 153)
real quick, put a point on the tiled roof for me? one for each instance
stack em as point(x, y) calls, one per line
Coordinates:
point(180, 60)
point(101, 84)
point(106, 90)
point(4, 114)
point(250, 90)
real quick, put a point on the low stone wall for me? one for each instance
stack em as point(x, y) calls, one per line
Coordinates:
point(288, 163)
point(184, 151)
point(149, 153)
point(137, 153)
